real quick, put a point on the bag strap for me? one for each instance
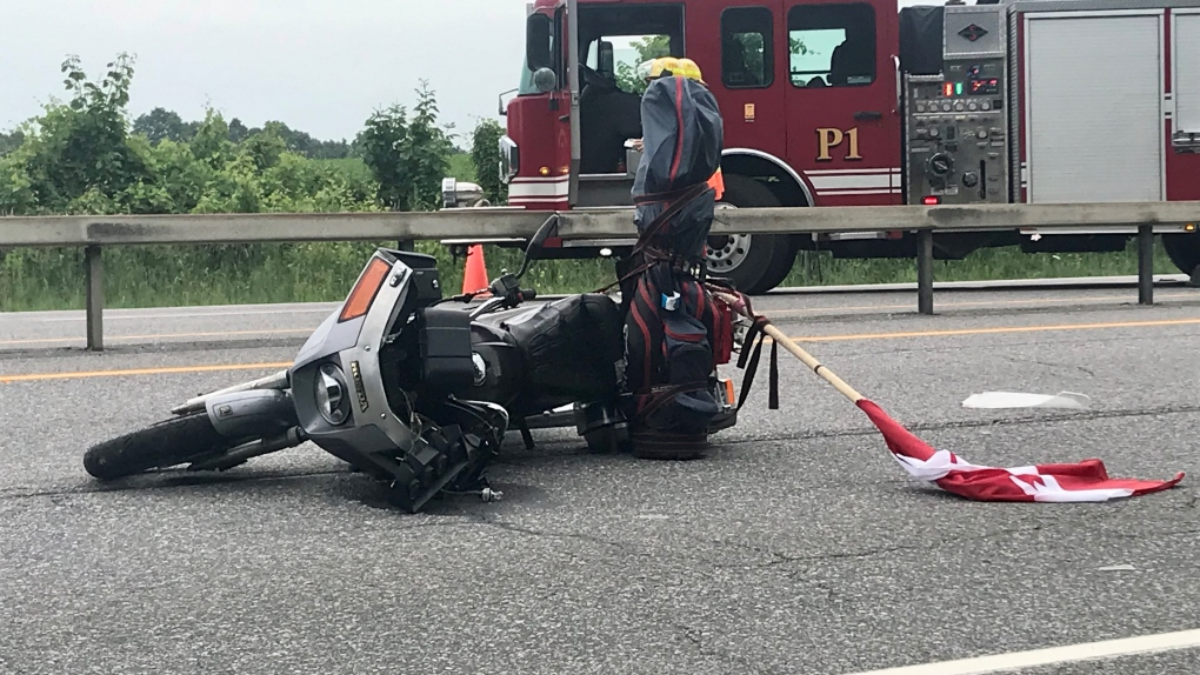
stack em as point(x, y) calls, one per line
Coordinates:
point(650, 401)
point(753, 355)
point(755, 336)
point(677, 201)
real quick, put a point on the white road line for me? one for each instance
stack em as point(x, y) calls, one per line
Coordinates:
point(999, 663)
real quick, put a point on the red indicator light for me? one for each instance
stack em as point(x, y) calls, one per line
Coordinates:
point(932, 200)
point(948, 89)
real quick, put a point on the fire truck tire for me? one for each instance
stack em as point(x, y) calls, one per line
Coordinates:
point(754, 263)
point(1183, 250)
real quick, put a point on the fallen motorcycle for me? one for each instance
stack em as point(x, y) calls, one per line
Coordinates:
point(414, 388)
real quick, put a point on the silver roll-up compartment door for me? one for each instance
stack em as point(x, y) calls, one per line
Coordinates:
point(1093, 107)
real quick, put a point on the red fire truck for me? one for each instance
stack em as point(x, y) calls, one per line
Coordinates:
point(843, 103)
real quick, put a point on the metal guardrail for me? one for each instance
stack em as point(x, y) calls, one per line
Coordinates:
point(93, 233)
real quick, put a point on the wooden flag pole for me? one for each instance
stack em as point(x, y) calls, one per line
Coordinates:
point(1068, 483)
point(790, 345)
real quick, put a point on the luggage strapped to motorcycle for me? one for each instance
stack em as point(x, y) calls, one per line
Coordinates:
point(646, 254)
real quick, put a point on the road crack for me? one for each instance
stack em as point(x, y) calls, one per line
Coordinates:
point(623, 547)
point(696, 639)
point(1048, 364)
point(780, 559)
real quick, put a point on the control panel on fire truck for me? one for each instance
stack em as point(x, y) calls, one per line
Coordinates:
point(956, 123)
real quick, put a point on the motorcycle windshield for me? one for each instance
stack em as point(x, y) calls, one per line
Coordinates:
point(683, 138)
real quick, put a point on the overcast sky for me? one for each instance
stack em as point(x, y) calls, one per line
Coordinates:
point(321, 66)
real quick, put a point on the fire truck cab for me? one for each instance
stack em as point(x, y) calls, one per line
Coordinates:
point(843, 103)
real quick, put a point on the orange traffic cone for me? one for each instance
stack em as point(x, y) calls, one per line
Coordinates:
point(475, 276)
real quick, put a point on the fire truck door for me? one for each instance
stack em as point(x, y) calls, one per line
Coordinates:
point(748, 71)
point(843, 124)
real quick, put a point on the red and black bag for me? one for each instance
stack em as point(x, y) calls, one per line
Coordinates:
point(675, 334)
point(669, 355)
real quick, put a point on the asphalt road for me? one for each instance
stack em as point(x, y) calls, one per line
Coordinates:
point(796, 546)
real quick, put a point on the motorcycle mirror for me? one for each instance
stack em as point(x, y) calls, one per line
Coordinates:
point(536, 242)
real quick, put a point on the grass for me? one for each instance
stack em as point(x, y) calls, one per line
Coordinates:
point(353, 167)
point(983, 265)
point(163, 276)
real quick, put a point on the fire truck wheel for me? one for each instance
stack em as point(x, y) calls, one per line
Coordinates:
point(1183, 250)
point(755, 263)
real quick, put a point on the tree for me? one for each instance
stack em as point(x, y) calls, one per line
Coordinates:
point(11, 141)
point(238, 131)
point(382, 144)
point(408, 158)
point(81, 148)
point(648, 48)
point(265, 147)
point(162, 124)
point(485, 155)
point(210, 143)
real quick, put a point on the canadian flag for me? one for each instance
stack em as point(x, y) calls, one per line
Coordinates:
point(1086, 481)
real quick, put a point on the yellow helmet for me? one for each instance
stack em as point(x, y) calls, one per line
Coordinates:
point(691, 70)
point(656, 68)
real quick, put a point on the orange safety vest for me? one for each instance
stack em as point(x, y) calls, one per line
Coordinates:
point(717, 182)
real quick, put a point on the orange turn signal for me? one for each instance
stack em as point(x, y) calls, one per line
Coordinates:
point(360, 299)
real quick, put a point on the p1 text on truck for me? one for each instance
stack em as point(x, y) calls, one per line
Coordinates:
point(829, 103)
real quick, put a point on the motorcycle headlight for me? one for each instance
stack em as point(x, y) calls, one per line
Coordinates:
point(333, 397)
point(480, 369)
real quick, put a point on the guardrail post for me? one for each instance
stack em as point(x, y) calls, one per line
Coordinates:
point(1145, 264)
point(94, 265)
point(925, 271)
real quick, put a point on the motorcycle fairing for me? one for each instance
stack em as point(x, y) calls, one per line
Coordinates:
point(373, 424)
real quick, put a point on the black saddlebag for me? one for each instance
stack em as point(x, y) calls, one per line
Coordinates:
point(573, 348)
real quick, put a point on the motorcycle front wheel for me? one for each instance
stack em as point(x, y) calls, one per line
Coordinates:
point(163, 444)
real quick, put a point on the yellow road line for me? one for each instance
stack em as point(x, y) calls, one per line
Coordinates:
point(160, 336)
point(37, 377)
point(978, 303)
point(997, 330)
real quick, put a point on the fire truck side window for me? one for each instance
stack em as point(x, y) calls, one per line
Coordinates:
point(832, 45)
point(614, 38)
point(747, 48)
